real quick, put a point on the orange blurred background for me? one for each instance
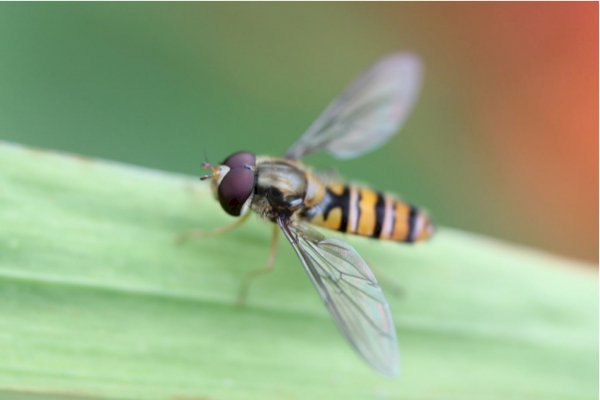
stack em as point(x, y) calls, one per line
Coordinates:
point(526, 77)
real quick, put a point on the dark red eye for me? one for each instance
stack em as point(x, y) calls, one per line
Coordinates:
point(235, 188)
point(240, 159)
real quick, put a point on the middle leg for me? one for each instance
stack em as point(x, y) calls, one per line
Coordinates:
point(250, 276)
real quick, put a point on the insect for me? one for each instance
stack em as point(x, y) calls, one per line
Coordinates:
point(294, 197)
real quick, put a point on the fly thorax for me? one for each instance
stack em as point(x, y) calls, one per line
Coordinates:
point(280, 188)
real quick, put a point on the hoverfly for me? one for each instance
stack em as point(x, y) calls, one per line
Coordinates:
point(293, 197)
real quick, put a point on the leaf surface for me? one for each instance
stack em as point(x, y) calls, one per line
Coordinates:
point(98, 302)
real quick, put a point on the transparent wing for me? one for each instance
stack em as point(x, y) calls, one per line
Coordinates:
point(350, 292)
point(370, 110)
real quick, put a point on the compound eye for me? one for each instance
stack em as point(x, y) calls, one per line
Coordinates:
point(235, 189)
point(240, 159)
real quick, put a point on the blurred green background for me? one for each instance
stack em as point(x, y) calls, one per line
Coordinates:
point(503, 139)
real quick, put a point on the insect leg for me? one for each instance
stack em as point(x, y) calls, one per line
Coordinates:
point(245, 286)
point(198, 233)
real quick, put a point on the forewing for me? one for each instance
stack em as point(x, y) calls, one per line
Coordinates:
point(369, 111)
point(350, 292)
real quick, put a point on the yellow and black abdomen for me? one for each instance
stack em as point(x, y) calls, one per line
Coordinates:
point(365, 212)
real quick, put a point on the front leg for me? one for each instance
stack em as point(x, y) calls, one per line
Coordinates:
point(198, 233)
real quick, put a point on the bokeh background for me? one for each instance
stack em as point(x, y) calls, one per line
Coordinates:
point(503, 140)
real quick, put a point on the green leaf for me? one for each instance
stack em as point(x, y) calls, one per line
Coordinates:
point(97, 301)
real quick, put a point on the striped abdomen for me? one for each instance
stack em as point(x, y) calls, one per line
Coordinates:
point(362, 211)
